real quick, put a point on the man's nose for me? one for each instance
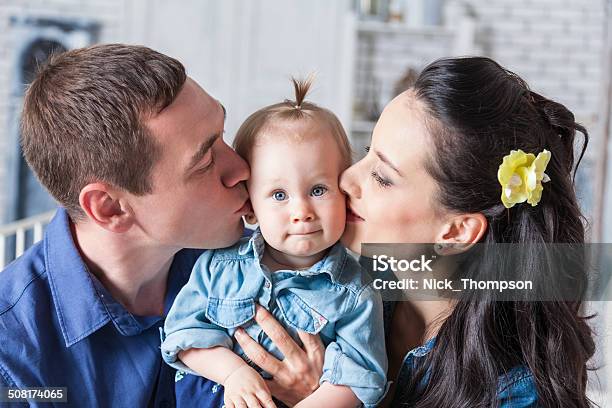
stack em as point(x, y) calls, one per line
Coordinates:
point(301, 211)
point(349, 182)
point(235, 168)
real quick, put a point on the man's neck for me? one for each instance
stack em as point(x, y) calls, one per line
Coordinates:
point(133, 271)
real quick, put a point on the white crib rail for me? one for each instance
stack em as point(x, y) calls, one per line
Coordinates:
point(19, 229)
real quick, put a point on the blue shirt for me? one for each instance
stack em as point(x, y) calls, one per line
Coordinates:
point(516, 389)
point(60, 327)
point(332, 298)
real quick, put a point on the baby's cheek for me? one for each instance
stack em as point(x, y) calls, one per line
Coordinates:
point(337, 218)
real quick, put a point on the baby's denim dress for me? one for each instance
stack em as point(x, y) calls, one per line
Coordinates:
point(333, 298)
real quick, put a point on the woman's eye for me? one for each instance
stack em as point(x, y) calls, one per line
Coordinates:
point(279, 195)
point(318, 191)
point(380, 180)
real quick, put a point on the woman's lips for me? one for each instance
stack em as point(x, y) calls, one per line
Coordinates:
point(352, 216)
point(245, 209)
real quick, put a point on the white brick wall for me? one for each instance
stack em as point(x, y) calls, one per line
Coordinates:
point(382, 59)
point(555, 45)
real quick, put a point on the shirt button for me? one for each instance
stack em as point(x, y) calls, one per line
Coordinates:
point(267, 284)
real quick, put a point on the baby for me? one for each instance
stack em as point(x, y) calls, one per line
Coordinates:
point(292, 265)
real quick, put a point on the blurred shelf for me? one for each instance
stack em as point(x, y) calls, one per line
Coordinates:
point(362, 126)
point(383, 27)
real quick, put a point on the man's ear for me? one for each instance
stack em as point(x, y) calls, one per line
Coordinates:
point(460, 233)
point(105, 206)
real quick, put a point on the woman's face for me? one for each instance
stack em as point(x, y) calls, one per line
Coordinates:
point(391, 197)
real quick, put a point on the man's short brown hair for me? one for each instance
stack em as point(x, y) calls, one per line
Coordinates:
point(83, 119)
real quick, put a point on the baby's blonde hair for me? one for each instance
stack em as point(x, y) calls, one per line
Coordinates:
point(291, 112)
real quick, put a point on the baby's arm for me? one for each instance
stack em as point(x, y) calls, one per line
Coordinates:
point(216, 363)
point(194, 344)
point(330, 395)
point(357, 356)
point(243, 385)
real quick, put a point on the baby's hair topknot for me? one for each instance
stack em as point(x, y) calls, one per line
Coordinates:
point(301, 86)
point(291, 112)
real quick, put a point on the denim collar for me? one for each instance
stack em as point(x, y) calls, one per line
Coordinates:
point(82, 303)
point(332, 263)
point(423, 350)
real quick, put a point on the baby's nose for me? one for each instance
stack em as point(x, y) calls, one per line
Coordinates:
point(302, 212)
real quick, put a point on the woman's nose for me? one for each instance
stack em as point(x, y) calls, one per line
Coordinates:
point(349, 182)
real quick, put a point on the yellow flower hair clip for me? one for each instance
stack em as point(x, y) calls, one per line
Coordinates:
point(521, 176)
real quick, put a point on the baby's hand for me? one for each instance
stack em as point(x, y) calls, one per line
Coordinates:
point(245, 388)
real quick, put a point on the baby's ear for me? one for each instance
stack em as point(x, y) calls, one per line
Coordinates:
point(250, 218)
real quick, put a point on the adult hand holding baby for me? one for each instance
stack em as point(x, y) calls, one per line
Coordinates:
point(297, 376)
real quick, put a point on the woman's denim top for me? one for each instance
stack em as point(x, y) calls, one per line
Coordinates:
point(516, 389)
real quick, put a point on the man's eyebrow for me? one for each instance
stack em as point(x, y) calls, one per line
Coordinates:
point(385, 160)
point(202, 150)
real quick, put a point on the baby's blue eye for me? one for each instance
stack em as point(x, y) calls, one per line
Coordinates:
point(279, 195)
point(318, 191)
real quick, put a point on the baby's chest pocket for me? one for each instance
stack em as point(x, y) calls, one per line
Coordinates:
point(300, 315)
point(230, 313)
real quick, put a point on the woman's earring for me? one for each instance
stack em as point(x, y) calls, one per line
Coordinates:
point(443, 249)
point(250, 218)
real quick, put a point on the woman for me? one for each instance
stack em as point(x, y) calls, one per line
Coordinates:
point(431, 175)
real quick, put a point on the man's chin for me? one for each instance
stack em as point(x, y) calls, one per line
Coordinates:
point(223, 239)
point(233, 235)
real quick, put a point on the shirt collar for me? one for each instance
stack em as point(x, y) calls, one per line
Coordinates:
point(423, 350)
point(82, 303)
point(79, 309)
point(332, 263)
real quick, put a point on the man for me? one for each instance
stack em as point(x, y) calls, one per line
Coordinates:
point(133, 151)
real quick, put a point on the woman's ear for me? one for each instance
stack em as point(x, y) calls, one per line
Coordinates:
point(250, 218)
point(105, 206)
point(460, 233)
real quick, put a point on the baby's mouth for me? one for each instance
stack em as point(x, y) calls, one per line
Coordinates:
point(305, 233)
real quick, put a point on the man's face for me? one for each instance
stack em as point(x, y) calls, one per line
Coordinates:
point(199, 196)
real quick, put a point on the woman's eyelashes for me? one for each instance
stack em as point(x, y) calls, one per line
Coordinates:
point(382, 181)
point(317, 191)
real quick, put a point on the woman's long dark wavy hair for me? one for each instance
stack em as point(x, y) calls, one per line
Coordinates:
point(477, 112)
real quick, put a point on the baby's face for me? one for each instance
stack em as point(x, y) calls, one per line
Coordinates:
point(294, 190)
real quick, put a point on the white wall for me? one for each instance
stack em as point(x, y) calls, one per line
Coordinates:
point(244, 53)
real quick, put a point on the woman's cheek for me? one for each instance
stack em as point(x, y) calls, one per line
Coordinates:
point(395, 224)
